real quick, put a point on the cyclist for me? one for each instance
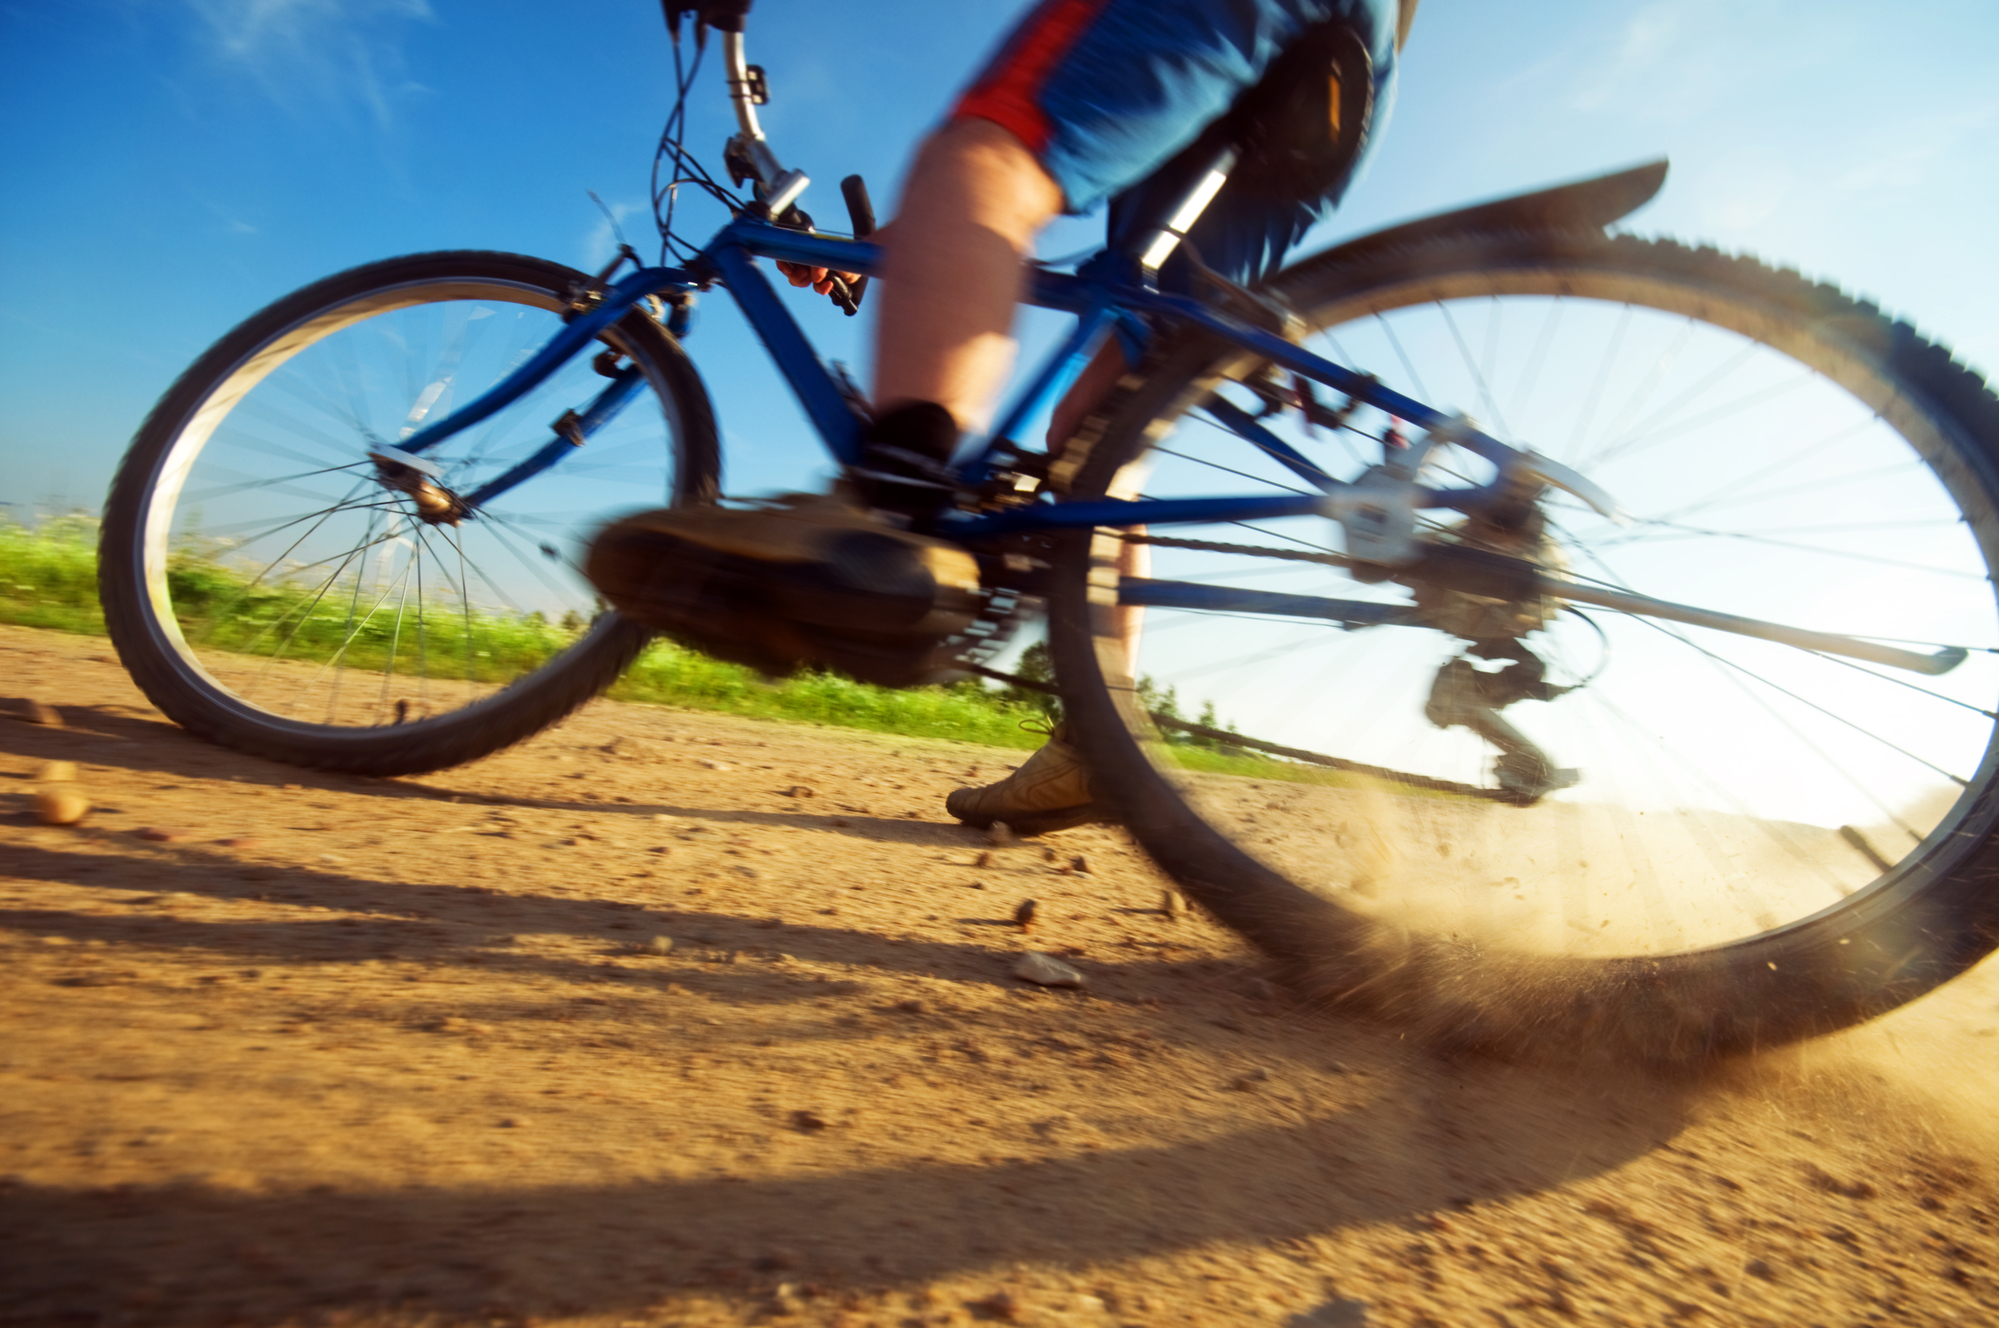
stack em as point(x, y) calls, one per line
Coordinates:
point(1086, 101)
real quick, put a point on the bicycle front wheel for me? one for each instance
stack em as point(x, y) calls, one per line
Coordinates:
point(273, 587)
point(1518, 820)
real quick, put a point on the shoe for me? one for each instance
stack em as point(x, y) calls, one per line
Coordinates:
point(1050, 791)
point(800, 580)
point(904, 461)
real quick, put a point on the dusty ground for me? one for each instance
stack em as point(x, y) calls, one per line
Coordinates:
point(357, 1051)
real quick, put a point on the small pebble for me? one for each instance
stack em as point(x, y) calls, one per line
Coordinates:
point(512, 1123)
point(978, 885)
point(1081, 864)
point(160, 834)
point(1173, 905)
point(57, 772)
point(1000, 834)
point(39, 712)
point(809, 1121)
point(1023, 916)
point(659, 945)
point(985, 859)
point(715, 765)
point(1048, 853)
point(240, 841)
point(798, 791)
point(1252, 1081)
point(909, 1007)
point(1001, 1305)
point(60, 806)
point(1046, 971)
point(840, 821)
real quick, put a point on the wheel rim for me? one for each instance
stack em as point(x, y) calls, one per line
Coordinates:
point(1731, 789)
point(286, 577)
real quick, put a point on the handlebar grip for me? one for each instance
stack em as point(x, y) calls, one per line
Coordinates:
point(847, 297)
point(855, 190)
point(861, 212)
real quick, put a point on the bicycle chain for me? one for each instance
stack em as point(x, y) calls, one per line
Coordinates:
point(1273, 749)
point(1250, 550)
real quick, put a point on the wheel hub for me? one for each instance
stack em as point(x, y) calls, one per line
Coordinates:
point(406, 473)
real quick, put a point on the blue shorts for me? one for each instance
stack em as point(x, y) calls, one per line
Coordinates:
point(1105, 92)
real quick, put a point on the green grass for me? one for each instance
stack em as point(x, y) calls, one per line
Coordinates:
point(48, 578)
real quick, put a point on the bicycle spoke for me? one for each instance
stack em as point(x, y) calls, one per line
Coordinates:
point(1415, 379)
point(223, 491)
point(1600, 381)
point(1478, 377)
point(1661, 366)
point(1531, 376)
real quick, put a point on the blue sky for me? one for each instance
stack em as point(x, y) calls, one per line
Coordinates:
point(169, 166)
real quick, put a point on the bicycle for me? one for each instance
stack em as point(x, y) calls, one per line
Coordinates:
point(1772, 834)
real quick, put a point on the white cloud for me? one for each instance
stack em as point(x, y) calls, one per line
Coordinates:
point(325, 52)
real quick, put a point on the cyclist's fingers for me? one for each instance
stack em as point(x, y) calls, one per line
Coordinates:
point(801, 275)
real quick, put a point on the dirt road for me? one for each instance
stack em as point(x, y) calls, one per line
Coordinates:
point(327, 1050)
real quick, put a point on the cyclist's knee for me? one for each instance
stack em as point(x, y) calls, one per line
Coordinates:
point(993, 172)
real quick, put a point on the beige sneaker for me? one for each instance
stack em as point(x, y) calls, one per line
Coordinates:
point(1050, 791)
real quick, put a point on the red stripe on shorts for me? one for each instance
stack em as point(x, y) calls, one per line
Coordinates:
point(1009, 93)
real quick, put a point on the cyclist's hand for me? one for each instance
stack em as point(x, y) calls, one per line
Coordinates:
point(818, 278)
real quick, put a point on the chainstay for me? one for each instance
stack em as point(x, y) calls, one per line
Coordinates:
point(1273, 749)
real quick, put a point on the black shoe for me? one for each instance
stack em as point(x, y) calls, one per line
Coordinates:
point(801, 580)
point(905, 459)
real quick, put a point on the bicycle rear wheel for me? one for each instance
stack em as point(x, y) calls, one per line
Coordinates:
point(1727, 842)
point(272, 590)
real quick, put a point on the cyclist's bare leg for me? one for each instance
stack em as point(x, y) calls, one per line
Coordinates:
point(1051, 789)
point(975, 200)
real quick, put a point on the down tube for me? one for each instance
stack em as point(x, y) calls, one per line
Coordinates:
point(835, 421)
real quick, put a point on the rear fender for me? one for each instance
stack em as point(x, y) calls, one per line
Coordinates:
point(1584, 205)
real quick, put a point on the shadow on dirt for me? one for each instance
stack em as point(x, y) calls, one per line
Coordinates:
point(123, 737)
point(1405, 1138)
point(217, 1255)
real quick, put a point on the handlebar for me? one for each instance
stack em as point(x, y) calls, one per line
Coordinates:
point(721, 15)
point(779, 189)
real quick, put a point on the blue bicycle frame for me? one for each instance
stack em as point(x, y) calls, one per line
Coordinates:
point(1109, 295)
point(1100, 304)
